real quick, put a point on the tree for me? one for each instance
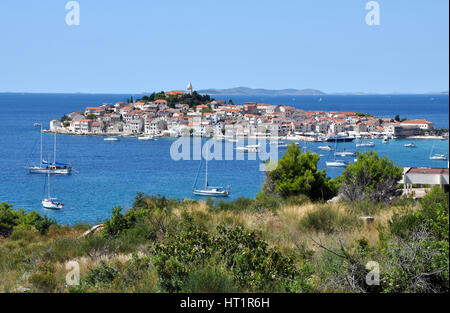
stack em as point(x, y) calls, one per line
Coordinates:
point(297, 174)
point(91, 117)
point(65, 118)
point(370, 178)
point(397, 118)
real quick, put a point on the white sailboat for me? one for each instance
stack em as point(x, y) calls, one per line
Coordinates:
point(210, 191)
point(46, 167)
point(49, 202)
point(336, 163)
point(436, 156)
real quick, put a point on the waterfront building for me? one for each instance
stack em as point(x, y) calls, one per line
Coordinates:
point(422, 124)
point(424, 177)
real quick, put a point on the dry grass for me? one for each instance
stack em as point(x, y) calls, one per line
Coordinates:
point(281, 229)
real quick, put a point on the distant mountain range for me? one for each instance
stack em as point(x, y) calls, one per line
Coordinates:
point(259, 91)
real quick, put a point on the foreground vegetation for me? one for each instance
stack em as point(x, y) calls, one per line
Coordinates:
point(279, 242)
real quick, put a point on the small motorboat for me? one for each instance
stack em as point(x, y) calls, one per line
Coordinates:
point(249, 149)
point(111, 139)
point(365, 144)
point(146, 138)
point(410, 145)
point(325, 148)
point(345, 153)
point(336, 163)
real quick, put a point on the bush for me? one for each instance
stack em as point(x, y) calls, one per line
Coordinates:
point(252, 263)
point(370, 178)
point(296, 174)
point(44, 278)
point(101, 275)
point(10, 218)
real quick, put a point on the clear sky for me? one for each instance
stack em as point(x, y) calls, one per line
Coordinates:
point(138, 46)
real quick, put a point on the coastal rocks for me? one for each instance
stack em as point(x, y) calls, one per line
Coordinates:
point(95, 229)
point(335, 199)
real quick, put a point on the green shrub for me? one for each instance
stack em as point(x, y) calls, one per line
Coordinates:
point(297, 173)
point(370, 178)
point(101, 275)
point(254, 266)
point(10, 218)
point(43, 279)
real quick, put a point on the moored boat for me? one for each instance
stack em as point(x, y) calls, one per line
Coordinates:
point(46, 167)
point(209, 191)
point(111, 139)
point(49, 202)
point(325, 148)
point(336, 163)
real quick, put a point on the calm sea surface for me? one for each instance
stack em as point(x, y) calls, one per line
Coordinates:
point(110, 173)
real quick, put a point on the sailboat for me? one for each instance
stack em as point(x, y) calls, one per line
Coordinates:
point(210, 191)
point(437, 156)
point(46, 167)
point(336, 163)
point(49, 202)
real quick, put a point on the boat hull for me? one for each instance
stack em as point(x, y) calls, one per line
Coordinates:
point(336, 164)
point(47, 204)
point(206, 193)
point(55, 171)
point(340, 139)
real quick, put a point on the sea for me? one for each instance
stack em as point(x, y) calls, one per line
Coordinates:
point(109, 174)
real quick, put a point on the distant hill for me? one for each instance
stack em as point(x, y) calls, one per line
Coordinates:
point(259, 91)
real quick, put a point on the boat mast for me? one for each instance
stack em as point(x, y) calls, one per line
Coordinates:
point(41, 146)
point(54, 150)
point(48, 187)
point(206, 178)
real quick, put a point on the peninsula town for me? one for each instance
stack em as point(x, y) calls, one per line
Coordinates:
point(188, 113)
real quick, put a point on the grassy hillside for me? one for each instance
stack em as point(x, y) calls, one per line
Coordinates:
point(170, 246)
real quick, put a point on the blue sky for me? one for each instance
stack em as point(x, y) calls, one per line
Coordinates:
point(141, 46)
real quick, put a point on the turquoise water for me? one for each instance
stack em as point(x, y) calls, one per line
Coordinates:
point(110, 173)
